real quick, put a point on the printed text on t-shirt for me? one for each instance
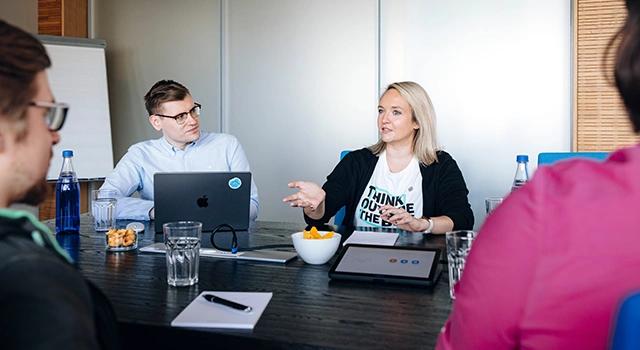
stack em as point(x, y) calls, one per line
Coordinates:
point(369, 210)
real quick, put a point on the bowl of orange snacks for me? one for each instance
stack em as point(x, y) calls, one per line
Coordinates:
point(316, 247)
point(121, 240)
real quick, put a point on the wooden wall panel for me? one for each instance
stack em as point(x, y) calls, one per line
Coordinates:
point(74, 18)
point(50, 17)
point(63, 17)
point(600, 120)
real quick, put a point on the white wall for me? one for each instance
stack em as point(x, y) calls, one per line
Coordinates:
point(22, 14)
point(150, 40)
point(301, 81)
point(498, 73)
point(300, 78)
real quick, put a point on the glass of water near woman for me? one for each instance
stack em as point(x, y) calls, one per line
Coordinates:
point(458, 247)
point(491, 203)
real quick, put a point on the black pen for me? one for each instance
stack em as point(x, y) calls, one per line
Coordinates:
point(232, 304)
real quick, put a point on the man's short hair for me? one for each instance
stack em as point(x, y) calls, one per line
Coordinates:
point(164, 91)
point(22, 57)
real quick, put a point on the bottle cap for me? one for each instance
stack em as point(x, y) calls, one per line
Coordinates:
point(522, 158)
point(67, 153)
point(136, 226)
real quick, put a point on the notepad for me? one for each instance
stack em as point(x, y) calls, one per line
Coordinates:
point(372, 238)
point(204, 314)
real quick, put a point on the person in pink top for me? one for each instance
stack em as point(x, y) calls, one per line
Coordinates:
point(552, 263)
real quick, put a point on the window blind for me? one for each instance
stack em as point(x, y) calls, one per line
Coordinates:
point(600, 120)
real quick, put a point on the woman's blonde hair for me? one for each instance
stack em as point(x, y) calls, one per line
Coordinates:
point(425, 144)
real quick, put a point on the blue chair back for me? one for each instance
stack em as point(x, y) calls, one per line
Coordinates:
point(339, 217)
point(553, 157)
point(626, 334)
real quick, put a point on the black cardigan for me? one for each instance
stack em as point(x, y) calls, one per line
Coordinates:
point(444, 191)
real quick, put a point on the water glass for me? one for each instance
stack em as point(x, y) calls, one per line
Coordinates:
point(491, 203)
point(103, 209)
point(458, 247)
point(182, 240)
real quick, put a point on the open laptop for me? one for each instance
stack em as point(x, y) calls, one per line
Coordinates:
point(212, 198)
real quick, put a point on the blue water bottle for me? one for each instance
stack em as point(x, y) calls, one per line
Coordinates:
point(67, 198)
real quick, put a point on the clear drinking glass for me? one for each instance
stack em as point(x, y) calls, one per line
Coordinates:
point(458, 247)
point(103, 209)
point(182, 240)
point(492, 203)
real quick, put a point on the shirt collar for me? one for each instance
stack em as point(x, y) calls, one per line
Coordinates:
point(173, 149)
point(198, 140)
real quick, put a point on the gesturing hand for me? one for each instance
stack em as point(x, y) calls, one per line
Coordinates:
point(309, 195)
point(401, 218)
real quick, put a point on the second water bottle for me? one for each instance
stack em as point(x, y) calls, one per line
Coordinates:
point(522, 172)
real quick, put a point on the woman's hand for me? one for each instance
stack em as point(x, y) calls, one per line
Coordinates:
point(310, 197)
point(402, 219)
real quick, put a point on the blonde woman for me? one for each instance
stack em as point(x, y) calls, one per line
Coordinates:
point(403, 181)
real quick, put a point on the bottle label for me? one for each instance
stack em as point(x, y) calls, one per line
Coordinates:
point(517, 184)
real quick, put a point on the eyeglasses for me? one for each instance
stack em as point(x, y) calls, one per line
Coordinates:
point(56, 113)
point(182, 117)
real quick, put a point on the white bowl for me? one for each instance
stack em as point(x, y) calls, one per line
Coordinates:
point(316, 251)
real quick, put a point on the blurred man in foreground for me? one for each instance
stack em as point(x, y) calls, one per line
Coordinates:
point(45, 302)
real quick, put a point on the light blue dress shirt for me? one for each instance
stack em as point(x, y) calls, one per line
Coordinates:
point(134, 172)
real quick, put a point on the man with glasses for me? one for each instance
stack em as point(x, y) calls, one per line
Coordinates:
point(45, 302)
point(182, 147)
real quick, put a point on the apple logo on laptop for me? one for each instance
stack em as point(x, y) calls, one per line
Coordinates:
point(203, 202)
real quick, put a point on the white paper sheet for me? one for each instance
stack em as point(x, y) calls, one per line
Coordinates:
point(372, 238)
point(204, 314)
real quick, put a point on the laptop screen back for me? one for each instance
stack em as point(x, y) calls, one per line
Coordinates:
point(212, 198)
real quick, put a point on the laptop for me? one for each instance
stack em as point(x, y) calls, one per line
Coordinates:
point(213, 198)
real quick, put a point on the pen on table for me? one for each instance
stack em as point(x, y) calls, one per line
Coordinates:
point(232, 304)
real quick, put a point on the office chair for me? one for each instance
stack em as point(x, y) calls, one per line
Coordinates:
point(339, 217)
point(549, 158)
point(626, 334)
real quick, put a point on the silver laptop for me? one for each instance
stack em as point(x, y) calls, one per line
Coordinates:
point(212, 198)
point(276, 256)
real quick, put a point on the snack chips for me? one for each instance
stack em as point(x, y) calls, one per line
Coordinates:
point(314, 234)
point(121, 238)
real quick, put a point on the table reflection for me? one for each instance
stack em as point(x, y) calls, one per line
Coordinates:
point(70, 242)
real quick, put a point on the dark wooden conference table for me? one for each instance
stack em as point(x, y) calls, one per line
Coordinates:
point(307, 311)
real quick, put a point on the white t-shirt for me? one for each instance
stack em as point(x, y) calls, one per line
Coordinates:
point(401, 190)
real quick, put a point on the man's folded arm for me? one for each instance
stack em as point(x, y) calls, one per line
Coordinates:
point(125, 180)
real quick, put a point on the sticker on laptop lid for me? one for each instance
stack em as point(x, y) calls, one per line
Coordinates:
point(235, 183)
